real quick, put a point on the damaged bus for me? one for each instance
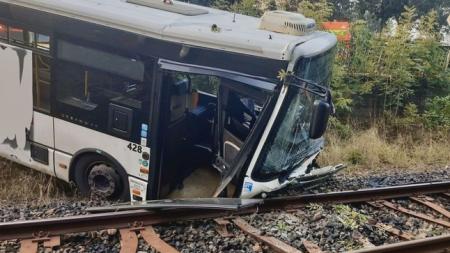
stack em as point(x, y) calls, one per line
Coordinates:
point(150, 99)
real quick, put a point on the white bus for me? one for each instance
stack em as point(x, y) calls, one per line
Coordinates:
point(134, 98)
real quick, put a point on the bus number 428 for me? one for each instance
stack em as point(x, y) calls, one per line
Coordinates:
point(135, 148)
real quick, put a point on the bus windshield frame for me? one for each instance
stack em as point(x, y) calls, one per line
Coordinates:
point(289, 144)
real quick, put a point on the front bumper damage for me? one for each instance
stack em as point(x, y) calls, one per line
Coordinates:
point(298, 178)
point(317, 176)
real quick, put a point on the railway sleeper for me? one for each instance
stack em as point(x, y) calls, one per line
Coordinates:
point(398, 208)
point(32, 245)
point(428, 201)
point(129, 240)
point(275, 244)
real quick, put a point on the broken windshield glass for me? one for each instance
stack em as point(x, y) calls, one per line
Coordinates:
point(288, 144)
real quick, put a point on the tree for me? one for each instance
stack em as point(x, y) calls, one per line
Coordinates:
point(320, 10)
point(221, 5)
point(247, 7)
point(272, 5)
point(344, 10)
point(386, 9)
point(398, 65)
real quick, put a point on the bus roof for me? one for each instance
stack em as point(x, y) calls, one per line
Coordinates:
point(197, 26)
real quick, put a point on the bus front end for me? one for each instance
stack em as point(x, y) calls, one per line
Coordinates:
point(293, 137)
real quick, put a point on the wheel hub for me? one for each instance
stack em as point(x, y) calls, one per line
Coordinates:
point(103, 180)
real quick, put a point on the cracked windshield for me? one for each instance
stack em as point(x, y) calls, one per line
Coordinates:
point(289, 143)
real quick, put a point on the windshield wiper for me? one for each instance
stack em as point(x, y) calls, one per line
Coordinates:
point(307, 85)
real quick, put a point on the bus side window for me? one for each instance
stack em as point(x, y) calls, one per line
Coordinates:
point(93, 84)
point(43, 42)
point(41, 82)
point(206, 84)
point(21, 36)
point(3, 32)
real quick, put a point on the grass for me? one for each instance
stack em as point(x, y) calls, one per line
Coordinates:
point(22, 185)
point(369, 151)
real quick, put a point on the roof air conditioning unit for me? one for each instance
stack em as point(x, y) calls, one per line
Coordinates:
point(287, 23)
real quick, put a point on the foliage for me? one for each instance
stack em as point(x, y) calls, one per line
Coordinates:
point(394, 69)
point(319, 10)
point(437, 114)
point(272, 5)
point(221, 4)
point(386, 9)
point(343, 131)
point(314, 207)
point(247, 7)
point(350, 218)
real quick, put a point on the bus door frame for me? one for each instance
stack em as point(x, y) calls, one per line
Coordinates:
point(247, 150)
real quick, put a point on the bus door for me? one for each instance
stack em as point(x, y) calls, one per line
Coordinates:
point(240, 106)
point(219, 122)
point(26, 132)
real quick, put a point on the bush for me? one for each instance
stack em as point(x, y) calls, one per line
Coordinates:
point(437, 114)
point(355, 157)
point(340, 129)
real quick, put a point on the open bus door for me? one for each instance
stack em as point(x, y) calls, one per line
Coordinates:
point(212, 130)
point(240, 108)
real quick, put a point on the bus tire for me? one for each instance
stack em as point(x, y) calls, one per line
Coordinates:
point(96, 175)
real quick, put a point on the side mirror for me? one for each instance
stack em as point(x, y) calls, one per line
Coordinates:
point(319, 119)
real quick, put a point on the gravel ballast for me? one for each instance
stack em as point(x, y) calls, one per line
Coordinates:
point(333, 228)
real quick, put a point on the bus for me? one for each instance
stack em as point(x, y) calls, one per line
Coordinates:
point(150, 99)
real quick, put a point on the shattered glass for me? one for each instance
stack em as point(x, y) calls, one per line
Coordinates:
point(289, 144)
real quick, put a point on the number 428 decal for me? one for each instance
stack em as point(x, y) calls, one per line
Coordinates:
point(135, 148)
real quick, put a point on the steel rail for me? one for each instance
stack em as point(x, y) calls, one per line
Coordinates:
point(362, 195)
point(435, 244)
point(126, 219)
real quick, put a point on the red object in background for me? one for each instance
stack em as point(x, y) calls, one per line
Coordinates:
point(340, 29)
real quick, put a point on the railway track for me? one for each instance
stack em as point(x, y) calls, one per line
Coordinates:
point(132, 224)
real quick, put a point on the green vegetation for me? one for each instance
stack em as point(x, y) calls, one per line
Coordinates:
point(390, 71)
point(350, 218)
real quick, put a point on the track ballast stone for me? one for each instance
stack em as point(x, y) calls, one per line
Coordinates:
point(327, 226)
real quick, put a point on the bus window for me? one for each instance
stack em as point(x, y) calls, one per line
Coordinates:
point(20, 36)
point(88, 88)
point(90, 83)
point(3, 32)
point(101, 60)
point(241, 115)
point(41, 82)
point(43, 42)
point(206, 84)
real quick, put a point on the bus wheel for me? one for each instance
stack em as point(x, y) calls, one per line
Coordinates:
point(96, 175)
